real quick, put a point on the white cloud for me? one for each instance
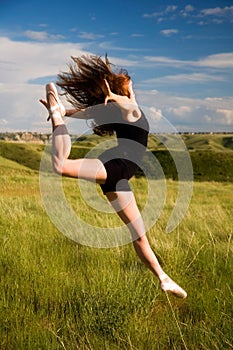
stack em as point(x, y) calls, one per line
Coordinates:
point(3, 122)
point(187, 11)
point(228, 116)
point(108, 45)
point(41, 36)
point(171, 8)
point(189, 8)
point(163, 60)
point(181, 111)
point(191, 114)
point(185, 79)
point(210, 14)
point(90, 36)
point(135, 35)
point(168, 32)
point(156, 113)
point(216, 15)
point(221, 60)
point(24, 61)
point(152, 15)
point(218, 11)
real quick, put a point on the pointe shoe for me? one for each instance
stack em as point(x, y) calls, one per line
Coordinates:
point(55, 105)
point(169, 286)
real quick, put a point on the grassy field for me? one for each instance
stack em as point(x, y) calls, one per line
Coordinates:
point(56, 294)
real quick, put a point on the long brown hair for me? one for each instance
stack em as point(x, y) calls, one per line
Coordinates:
point(84, 84)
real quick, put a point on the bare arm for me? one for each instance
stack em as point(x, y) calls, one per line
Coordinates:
point(75, 113)
point(128, 105)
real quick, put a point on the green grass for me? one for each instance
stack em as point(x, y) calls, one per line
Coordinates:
point(56, 294)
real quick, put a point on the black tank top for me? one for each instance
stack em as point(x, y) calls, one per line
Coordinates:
point(135, 131)
point(132, 137)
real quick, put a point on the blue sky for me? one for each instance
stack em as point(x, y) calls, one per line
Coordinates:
point(178, 53)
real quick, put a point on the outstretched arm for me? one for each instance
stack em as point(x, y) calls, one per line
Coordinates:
point(128, 105)
point(77, 113)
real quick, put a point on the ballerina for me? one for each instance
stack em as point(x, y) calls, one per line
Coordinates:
point(89, 83)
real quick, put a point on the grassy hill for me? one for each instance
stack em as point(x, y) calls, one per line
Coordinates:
point(194, 142)
point(211, 155)
point(27, 154)
point(208, 142)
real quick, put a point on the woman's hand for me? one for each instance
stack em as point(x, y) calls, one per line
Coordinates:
point(128, 105)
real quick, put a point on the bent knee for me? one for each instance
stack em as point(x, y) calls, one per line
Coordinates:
point(57, 170)
point(57, 166)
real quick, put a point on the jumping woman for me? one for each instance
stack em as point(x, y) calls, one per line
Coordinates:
point(90, 82)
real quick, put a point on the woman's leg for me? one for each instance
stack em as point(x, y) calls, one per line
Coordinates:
point(126, 207)
point(89, 169)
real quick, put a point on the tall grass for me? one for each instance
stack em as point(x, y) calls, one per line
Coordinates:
point(56, 294)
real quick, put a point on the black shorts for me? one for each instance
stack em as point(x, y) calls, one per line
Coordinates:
point(119, 171)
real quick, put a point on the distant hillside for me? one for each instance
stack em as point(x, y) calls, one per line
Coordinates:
point(215, 142)
point(211, 155)
point(196, 142)
point(24, 137)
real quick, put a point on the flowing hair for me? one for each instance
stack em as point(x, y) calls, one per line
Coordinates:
point(84, 85)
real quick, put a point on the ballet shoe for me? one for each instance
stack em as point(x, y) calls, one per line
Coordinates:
point(55, 106)
point(169, 286)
